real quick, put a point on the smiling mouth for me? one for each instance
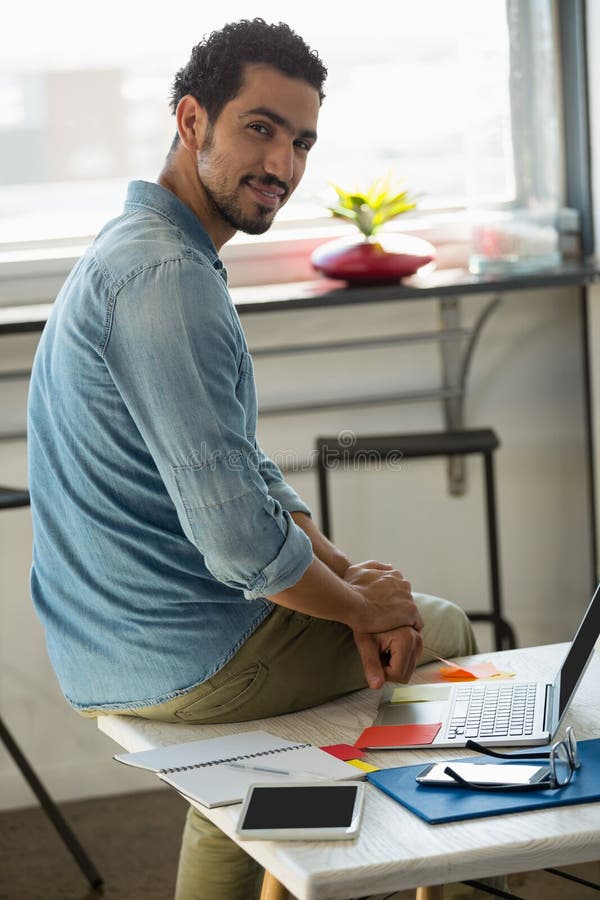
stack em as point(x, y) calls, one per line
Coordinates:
point(267, 195)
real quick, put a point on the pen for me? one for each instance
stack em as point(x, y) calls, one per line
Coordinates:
point(271, 770)
point(259, 768)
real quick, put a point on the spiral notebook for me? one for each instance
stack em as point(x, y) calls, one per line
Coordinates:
point(201, 770)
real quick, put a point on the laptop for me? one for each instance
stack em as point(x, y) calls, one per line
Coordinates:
point(503, 712)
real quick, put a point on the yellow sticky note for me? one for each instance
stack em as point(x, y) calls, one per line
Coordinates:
point(360, 764)
point(412, 693)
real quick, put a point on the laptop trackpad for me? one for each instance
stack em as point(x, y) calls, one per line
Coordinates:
point(413, 713)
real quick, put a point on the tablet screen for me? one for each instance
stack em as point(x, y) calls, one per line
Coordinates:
point(303, 806)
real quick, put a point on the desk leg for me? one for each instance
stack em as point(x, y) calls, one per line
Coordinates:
point(434, 892)
point(274, 890)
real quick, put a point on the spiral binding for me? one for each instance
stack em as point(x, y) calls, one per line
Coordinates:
point(230, 759)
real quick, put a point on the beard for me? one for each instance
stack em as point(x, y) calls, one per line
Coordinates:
point(225, 201)
point(227, 205)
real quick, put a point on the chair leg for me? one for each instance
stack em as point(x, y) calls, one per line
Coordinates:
point(509, 639)
point(323, 495)
point(50, 808)
point(503, 633)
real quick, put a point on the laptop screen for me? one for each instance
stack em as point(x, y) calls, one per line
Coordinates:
point(580, 652)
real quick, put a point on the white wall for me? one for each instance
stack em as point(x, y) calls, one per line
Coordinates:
point(593, 61)
point(526, 383)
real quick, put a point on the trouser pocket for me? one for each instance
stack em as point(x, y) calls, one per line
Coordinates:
point(227, 700)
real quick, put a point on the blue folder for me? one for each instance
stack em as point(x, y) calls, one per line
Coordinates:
point(451, 804)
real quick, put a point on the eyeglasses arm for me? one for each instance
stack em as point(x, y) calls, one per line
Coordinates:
point(479, 748)
point(494, 787)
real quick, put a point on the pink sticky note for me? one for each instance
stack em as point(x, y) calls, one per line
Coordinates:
point(397, 736)
point(343, 751)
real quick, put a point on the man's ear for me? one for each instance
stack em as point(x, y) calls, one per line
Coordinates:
point(192, 123)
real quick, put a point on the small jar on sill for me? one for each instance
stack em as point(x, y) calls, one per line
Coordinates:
point(514, 241)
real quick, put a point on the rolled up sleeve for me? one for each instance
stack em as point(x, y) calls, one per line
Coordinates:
point(176, 353)
point(247, 539)
point(278, 487)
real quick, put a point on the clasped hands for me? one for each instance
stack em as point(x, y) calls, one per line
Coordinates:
point(388, 635)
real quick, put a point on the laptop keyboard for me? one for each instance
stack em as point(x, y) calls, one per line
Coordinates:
point(493, 710)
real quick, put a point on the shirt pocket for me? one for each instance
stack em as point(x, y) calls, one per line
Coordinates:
point(245, 391)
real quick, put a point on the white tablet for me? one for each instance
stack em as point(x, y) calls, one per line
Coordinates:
point(303, 811)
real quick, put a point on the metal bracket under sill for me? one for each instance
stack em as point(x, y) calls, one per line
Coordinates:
point(377, 400)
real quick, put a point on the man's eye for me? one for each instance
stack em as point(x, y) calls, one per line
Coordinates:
point(302, 145)
point(259, 127)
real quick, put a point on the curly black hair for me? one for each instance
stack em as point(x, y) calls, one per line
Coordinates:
point(215, 70)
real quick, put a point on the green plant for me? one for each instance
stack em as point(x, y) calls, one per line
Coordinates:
point(370, 210)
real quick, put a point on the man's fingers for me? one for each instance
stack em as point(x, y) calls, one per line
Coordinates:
point(368, 648)
point(375, 564)
point(403, 651)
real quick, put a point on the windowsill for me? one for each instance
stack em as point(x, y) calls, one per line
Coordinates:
point(29, 274)
point(323, 292)
point(34, 274)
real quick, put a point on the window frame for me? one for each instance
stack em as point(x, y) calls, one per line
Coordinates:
point(30, 270)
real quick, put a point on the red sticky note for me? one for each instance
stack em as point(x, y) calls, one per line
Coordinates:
point(397, 736)
point(343, 751)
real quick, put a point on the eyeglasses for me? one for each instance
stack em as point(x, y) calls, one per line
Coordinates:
point(562, 756)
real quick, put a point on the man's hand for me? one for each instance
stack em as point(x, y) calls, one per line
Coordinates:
point(387, 599)
point(372, 598)
point(389, 656)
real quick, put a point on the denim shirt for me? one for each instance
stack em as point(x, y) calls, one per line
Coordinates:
point(159, 524)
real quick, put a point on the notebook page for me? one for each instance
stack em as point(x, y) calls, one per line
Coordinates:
point(194, 753)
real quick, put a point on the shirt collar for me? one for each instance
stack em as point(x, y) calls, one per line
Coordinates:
point(166, 203)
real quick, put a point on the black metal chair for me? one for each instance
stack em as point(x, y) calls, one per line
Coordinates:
point(331, 452)
point(12, 498)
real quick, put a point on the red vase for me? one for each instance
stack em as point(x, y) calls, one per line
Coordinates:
point(381, 260)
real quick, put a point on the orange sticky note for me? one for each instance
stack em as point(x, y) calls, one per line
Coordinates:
point(468, 672)
point(457, 674)
point(391, 737)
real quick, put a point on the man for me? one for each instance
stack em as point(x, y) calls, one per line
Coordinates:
point(176, 573)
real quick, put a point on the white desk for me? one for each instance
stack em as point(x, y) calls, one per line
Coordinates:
point(397, 850)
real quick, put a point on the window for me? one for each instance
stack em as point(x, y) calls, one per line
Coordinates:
point(421, 88)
